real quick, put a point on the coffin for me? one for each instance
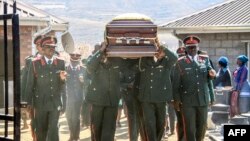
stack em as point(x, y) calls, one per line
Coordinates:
point(131, 35)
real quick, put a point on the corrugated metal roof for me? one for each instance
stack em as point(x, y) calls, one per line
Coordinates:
point(233, 13)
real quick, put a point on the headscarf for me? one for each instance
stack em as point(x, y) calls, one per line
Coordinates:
point(243, 59)
point(223, 61)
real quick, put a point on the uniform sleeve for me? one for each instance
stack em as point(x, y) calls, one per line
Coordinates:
point(171, 57)
point(24, 77)
point(93, 62)
point(63, 90)
point(210, 83)
point(177, 82)
point(211, 90)
point(30, 84)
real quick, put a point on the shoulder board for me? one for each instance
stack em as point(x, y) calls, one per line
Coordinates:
point(59, 58)
point(203, 56)
point(181, 58)
point(36, 59)
point(29, 57)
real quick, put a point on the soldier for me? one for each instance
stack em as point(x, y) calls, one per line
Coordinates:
point(103, 94)
point(155, 90)
point(179, 126)
point(74, 84)
point(46, 91)
point(192, 89)
point(25, 72)
point(85, 111)
point(129, 90)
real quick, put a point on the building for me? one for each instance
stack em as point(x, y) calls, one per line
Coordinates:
point(32, 22)
point(224, 29)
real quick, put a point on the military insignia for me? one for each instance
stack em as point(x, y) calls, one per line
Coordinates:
point(187, 60)
point(59, 108)
point(201, 60)
point(203, 66)
point(160, 66)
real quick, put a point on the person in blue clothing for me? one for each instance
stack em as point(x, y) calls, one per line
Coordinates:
point(223, 76)
point(242, 84)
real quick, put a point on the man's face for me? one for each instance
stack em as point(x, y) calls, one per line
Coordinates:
point(238, 62)
point(192, 50)
point(48, 51)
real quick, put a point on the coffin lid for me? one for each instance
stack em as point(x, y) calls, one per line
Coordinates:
point(132, 16)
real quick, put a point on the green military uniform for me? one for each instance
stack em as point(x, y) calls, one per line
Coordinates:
point(154, 91)
point(46, 94)
point(193, 88)
point(103, 94)
point(129, 89)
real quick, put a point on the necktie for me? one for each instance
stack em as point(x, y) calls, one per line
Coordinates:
point(49, 62)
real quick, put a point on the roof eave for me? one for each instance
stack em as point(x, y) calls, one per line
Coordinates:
point(43, 22)
point(205, 29)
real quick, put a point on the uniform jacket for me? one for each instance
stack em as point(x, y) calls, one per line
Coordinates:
point(46, 90)
point(155, 84)
point(74, 87)
point(191, 83)
point(24, 76)
point(104, 88)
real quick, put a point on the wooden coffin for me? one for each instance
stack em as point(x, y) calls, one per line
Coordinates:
point(131, 36)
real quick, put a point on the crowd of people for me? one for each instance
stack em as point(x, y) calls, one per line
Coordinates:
point(155, 90)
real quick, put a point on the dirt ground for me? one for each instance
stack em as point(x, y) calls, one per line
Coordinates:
point(121, 132)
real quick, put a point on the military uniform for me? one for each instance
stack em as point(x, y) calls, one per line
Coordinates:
point(74, 85)
point(46, 95)
point(103, 94)
point(194, 94)
point(129, 95)
point(154, 91)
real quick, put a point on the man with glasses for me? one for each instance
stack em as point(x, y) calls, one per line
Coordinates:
point(192, 89)
point(46, 91)
point(76, 74)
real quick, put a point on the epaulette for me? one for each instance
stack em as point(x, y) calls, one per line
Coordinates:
point(59, 58)
point(29, 57)
point(36, 59)
point(181, 58)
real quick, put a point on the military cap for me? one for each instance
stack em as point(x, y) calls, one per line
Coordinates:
point(38, 39)
point(48, 41)
point(191, 41)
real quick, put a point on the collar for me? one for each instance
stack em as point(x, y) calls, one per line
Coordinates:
point(74, 68)
point(47, 59)
point(195, 57)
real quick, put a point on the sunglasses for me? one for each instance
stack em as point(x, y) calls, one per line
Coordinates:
point(191, 47)
point(75, 55)
point(47, 46)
